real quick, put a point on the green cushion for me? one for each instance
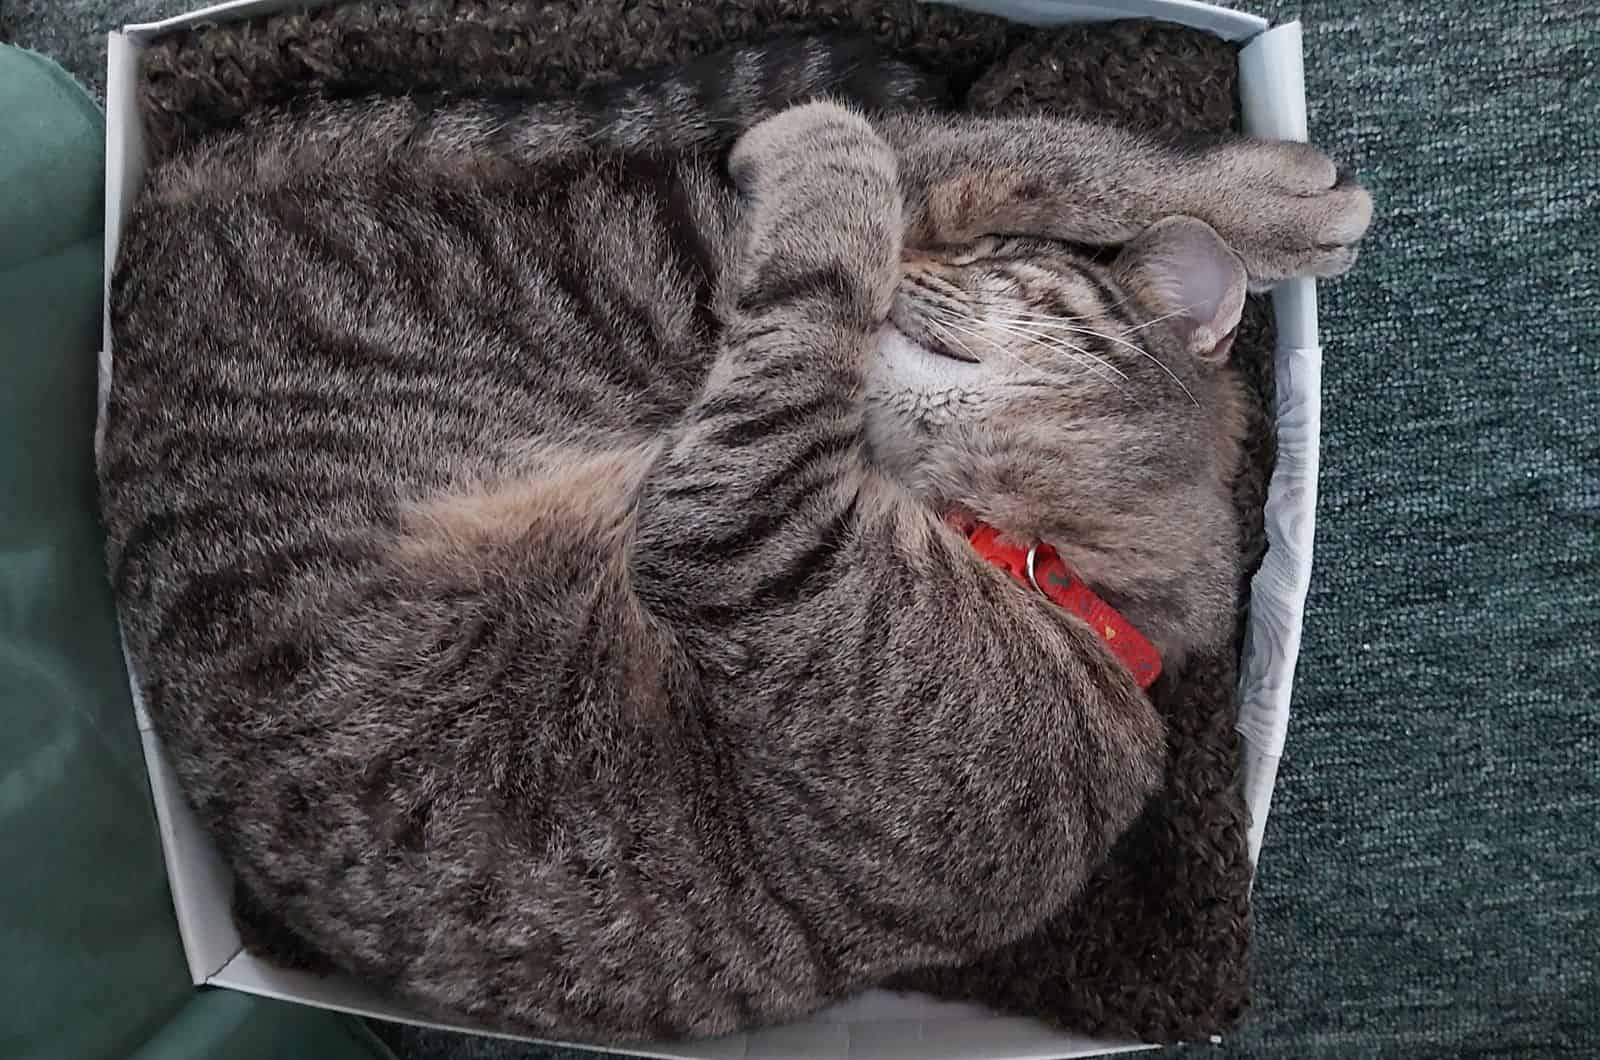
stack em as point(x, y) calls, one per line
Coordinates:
point(90, 961)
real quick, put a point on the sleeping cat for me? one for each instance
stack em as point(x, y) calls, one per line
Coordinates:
point(532, 523)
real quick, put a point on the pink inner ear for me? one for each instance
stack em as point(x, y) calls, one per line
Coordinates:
point(1219, 352)
point(1180, 266)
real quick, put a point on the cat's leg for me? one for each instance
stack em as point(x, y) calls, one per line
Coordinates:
point(811, 280)
point(1285, 208)
point(932, 758)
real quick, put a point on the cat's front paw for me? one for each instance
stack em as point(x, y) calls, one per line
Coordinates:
point(1285, 208)
point(807, 137)
point(823, 193)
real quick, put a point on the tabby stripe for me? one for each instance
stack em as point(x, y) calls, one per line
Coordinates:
point(633, 316)
point(208, 609)
point(739, 403)
point(943, 570)
point(213, 447)
point(774, 287)
point(414, 281)
point(152, 532)
point(800, 574)
point(576, 660)
point(706, 83)
point(716, 948)
point(743, 537)
point(767, 426)
point(206, 596)
point(803, 680)
point(601, 661)
point(872, 655)
point(149, 238)
point(896, 920)
point(1110, 304)
point(206, 393)
point(797, 373)
point(314, 237)
point(676, 489)
point(811, 799)
point(788, 67)
point(751, 534)
point(471, 216)
point(334, 344)
point(276, 663)
point(1093, 812)
point(323, 488)
point(744, 332)
point(764, 879)
point(808, 574)
point(199, 445)
point(836, 445)
point(686, 238)
point(258, 470)
point(576, 285)
point(827, 447)
point(462, 651)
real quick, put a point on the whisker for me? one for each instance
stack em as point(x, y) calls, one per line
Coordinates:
point(1077, 354)
point(1056, 322)
point(1018, 330)
point(1159, 319)
point(946, 333)
point(952, 327)
point(1137, 327)
point(1027, 329)
point(965, 326)
point(951, 331)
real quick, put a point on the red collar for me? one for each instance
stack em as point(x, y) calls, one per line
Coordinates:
point(1043, 569)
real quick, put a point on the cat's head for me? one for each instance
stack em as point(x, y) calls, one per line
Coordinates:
point(1061, 397)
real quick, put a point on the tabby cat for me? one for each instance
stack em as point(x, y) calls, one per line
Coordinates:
point(529, 521)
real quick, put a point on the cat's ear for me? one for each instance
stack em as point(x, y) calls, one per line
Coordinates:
point(1180, 269)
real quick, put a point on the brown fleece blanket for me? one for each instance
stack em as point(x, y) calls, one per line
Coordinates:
point(1157, 947)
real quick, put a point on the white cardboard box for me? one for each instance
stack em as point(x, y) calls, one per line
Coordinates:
point(877, 1025)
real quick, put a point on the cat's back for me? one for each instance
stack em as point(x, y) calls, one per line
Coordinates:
point(306, 336)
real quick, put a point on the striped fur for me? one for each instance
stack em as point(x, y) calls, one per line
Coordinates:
point(525, 521)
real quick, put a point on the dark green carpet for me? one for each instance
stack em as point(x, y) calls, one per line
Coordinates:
point(1431, 880)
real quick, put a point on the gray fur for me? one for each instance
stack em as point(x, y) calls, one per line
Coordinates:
point(526, 522)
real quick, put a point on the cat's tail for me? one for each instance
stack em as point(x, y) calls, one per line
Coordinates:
point(699, 107)
point(707, 103)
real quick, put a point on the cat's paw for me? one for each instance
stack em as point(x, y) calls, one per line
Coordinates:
point(1286, 209)
point(811, 136)
point(823, 192)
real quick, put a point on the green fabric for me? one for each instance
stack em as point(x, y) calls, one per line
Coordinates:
point(1430, 884)
point(52, 198)
point(90, 963)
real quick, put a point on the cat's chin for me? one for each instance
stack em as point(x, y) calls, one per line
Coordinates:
point(912, 393)
point(914, 382)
